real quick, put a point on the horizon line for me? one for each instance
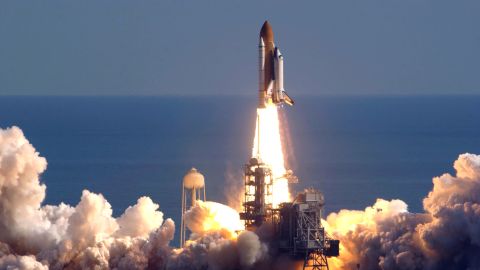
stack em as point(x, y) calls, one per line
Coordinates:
point(246, 95)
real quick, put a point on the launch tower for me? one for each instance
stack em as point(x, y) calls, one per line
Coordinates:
point(258, 194)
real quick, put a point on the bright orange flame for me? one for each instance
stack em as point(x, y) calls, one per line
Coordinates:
point(220, 217)
point(267, 146)
point(207, 216)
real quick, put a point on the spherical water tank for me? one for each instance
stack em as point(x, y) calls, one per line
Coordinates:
point(193, 179)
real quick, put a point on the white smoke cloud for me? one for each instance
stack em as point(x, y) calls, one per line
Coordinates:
point(387, 236)
point(21, 263)
point(214, 242)
point(220, 250)
point(87, 236)
point(141, 219)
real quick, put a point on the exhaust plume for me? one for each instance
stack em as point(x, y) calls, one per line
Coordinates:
point(267, 146)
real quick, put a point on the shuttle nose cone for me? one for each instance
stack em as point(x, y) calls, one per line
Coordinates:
point(266, 32)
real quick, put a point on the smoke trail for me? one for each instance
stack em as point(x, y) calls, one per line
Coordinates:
point(234, 189)
point(289, 153)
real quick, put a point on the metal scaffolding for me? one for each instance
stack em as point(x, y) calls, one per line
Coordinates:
point(257, 204)
point(298, 224)
point(301, 233)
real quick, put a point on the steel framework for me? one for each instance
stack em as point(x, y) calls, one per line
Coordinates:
point(257, 204)
point(300, 231)
point(315, 260)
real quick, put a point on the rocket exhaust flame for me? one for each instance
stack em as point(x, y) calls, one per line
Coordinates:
point(267, 147)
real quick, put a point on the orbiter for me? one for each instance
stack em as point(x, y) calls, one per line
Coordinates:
point(270, 69)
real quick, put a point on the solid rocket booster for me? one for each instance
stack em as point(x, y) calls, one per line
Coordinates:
point(270, 70)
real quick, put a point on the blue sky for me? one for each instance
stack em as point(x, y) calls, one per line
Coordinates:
point(118, 47)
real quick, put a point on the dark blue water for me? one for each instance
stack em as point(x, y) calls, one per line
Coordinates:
point(355, 149)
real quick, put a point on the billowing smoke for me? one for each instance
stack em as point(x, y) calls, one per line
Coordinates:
point(445, 236)
point(214, 243)
point(33, 236)
point(234, 189)
point(87, 236)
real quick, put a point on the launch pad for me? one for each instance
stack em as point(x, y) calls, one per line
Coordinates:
point(300, 232)
point(297, 225)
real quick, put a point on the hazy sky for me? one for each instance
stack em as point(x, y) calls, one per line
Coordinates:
point(174, 47)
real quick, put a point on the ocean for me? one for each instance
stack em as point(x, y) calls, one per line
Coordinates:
point(354, 149)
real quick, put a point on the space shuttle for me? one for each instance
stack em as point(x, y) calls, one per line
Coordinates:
point(270, 62)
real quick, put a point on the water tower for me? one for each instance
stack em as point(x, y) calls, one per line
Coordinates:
point(193, 189)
